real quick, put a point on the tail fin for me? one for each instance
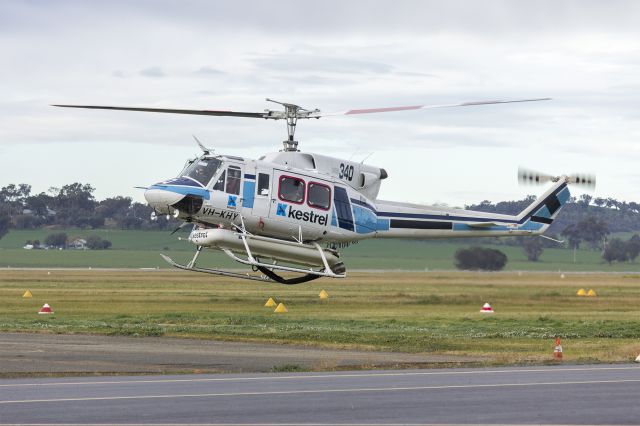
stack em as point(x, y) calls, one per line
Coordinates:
point(541, 213)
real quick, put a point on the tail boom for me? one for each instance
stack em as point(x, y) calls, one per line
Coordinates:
point(402, 220)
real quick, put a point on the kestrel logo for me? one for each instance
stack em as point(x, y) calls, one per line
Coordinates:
point(231, 201)
point(288, 211)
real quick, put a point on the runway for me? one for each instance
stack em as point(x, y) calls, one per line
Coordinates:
point(602, 394)
point(32, 354)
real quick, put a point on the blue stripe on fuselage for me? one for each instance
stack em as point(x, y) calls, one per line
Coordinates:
point(366, 221)
point(382, 225)
point(185, 190)
point(248, 191)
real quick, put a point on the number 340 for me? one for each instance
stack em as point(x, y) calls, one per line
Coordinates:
point(346, 172)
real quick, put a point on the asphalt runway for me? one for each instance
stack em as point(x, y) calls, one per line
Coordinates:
point(602, 394)
point(32, 354)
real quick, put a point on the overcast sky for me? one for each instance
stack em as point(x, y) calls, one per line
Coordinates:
point(332, 55)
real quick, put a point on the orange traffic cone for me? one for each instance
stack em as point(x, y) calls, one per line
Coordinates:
point(557, 350)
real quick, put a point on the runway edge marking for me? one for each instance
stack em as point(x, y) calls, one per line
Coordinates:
point(318, 391)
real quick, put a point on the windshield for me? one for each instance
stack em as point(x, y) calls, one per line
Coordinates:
point(203, 169)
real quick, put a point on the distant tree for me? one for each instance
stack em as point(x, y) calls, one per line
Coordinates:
point(479, 258)
point(58, 240)
point(593, 230)
point(585, 200)
point(5, 222)
point(74, 204)
point(573, 235)
point(39, 203)
point(532, 248)
point(503, 207)
point(95, 242)
point(114, 207)
point(633, 247)
point(615, 250)
point(599, 201)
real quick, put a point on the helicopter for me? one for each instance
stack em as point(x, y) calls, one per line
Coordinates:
point(291, 211)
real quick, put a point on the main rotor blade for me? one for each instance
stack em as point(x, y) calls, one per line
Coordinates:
point(174, 111)
point(414, 107)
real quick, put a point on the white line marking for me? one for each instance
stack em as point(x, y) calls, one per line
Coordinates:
point(295, 424)
point(325, 376)
point(317, 391)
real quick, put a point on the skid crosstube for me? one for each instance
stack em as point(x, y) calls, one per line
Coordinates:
point(268, 277)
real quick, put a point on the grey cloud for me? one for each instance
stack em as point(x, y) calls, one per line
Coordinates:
point(208, 71)
point(154, 72)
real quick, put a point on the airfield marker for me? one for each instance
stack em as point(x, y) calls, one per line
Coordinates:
point(270, 303)
point(323, 295)
point(281, 309)
point(27, 294)
point(486, 309)
point(557, 349)
point(45, 310)
point(581, 292)
point(591, 293)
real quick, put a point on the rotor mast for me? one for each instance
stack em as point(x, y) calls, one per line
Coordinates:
point(291, 114)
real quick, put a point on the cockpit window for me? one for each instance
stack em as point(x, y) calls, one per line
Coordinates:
point(203, 169)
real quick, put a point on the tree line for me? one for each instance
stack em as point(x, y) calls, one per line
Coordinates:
point(73, 205)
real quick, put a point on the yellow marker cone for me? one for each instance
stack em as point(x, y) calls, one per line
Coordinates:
point(270, 303)
point(591, 293)
point(581, 292)
point(27, 294)
point(281, 309)
point(323, 295)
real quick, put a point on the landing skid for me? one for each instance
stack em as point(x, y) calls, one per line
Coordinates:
point(268, 277)
point(214, 271)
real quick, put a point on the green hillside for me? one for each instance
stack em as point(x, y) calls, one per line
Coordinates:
point(140, 249)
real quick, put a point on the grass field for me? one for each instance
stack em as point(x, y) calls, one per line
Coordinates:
point(139, 249)
point(435, 312)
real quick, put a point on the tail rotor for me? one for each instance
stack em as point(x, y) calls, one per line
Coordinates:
point(532, 177)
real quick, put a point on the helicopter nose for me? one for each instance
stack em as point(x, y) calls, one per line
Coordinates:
point(160, 199)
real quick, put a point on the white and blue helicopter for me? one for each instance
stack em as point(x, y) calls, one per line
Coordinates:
point(289, 211)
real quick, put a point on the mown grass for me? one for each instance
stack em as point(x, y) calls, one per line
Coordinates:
point(140, 249)
point(410, 312)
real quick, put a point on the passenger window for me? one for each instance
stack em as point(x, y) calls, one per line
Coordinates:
point(263, 184)
point(291, 189)
point(233, 180)
point(319, 196)
point(219, 186)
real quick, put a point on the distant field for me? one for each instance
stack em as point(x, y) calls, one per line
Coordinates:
point(140, 249)
point(435, 312)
